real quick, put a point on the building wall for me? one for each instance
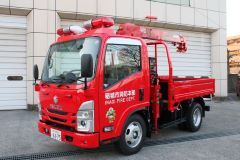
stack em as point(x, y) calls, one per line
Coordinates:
point(44, 16)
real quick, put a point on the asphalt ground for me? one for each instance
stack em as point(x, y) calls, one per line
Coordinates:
point(218, 138)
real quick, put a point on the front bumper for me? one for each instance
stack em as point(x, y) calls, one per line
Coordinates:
point(81, 140)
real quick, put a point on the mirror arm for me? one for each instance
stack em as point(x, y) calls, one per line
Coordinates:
point(35, 81)
point(85, 83)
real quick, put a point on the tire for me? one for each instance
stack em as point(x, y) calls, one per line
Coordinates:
point(194, 117)
point(133, 135)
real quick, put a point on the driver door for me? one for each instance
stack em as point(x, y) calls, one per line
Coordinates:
point(122, 85)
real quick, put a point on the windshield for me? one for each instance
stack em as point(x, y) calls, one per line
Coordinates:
point(64, 58)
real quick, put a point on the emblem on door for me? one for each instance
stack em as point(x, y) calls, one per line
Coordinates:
point(110, 115)
point(55, 99)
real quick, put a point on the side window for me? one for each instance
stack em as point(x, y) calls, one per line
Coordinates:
point(120, 62)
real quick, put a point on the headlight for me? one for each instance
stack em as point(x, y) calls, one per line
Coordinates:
point(85, 114)
point(85, 117)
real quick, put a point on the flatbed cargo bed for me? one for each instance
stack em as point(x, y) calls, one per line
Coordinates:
point(188, 88)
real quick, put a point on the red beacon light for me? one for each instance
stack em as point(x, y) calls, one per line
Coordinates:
point(151, 17)
point(98, 23)
point(71, 30)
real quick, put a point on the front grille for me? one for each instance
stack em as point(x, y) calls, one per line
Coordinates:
point(57, 119)
point(57, 112)
point(60, 126)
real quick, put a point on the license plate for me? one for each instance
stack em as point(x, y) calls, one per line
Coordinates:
point(56, 134)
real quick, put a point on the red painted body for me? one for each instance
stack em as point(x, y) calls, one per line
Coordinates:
point(63, 115)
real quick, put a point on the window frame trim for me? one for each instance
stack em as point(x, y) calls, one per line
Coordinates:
point(105, 88)
point(96, 63)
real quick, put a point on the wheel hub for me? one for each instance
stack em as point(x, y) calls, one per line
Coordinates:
point(133, 134)
point(197, 117)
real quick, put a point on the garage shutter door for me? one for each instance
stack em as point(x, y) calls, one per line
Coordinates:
point(12, 62)
point(196, 62)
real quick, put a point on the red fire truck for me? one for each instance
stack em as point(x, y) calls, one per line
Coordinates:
point(99, 86)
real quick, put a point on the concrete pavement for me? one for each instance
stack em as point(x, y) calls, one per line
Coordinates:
point(19, 135)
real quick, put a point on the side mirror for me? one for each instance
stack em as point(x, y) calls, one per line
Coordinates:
point(35, 72)
point(86, 66)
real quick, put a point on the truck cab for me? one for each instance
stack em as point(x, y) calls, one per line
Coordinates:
point(97, 87)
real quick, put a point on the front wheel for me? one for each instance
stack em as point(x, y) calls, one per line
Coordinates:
point(133, 135)
point(194, 117)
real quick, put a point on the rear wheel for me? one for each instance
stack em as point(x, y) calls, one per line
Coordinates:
point(133, 135)
point(194, 117)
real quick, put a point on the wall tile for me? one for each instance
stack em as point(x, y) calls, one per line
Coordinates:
point(44, 21)
point(223, 54)
point(187, 15)
point(21, 3)
point(201, 17)
point(89, 6)
point(224, 88)
point(158, 10)
point(141, 9)
point(219, 54)
point(219, 38)
point(40, 20)
point(216, 70)
point(51, 22)
point(4, 3)
point(106, 7)
point(223, 21)
point(40, 44)
point(124, 8)
point(223, 70)
point(219, 70)
point(213, 5)
point(173, 13)
point(30, 44)
point(201, 4)
point(222, 5)
point(213, 19)
point(66, 5)
point(30, 68)
point(44, 4)
point(30, 91)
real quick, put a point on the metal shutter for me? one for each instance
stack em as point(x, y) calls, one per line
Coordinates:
point(196, 62)
point(12, 62)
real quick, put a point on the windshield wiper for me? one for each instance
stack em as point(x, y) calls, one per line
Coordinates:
point(60, 81)
point(57, 79)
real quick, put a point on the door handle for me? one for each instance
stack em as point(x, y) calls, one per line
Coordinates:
point(141, 94)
